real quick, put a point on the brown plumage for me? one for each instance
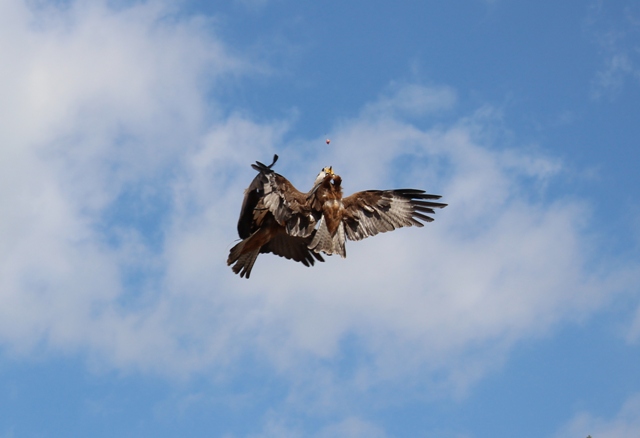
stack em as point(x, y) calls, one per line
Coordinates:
point(277, 218)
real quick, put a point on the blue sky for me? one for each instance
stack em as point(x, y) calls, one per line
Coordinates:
point(127, 133)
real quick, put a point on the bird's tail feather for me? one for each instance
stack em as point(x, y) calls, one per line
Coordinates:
point(242, 262)
point(325, 242)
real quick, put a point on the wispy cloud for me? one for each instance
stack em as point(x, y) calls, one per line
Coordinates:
point(616, 29)
point(624, 424)
point(413, 100)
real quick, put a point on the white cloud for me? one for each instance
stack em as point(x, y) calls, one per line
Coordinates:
point(96, 101)
point(115, 107)
point(625, 424)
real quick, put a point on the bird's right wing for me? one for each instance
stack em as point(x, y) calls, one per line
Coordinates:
point(290, 207)
point(272, 192)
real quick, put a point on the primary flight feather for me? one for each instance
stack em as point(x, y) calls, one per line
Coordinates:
point(276, 217)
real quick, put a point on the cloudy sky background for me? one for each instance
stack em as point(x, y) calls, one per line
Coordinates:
point(127, 131)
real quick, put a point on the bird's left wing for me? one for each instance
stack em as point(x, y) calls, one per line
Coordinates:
point(378, 211)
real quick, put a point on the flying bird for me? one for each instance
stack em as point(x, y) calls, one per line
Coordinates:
point(277, 218)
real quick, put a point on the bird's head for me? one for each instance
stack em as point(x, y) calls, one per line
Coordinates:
point(322, 177)
point(327, 171)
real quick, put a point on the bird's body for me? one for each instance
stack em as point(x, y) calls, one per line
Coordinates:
point(277, 218)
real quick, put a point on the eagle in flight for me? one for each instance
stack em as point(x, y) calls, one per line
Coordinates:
point(277, 218)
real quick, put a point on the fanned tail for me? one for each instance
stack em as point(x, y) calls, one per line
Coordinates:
point(325, 242)
point(242, 262)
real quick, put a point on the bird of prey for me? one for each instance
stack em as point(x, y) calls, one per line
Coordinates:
point(277, 218)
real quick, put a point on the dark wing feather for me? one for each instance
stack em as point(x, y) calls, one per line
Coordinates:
point(252, 196)
point(378, 211)
point(293, 248)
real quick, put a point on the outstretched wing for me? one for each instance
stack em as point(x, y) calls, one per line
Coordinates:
point(378, 211)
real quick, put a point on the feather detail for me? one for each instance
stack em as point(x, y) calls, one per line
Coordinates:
point(242, 261)
point(375, 211)
point(327, 243)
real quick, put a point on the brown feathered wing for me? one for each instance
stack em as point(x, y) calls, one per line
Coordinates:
point(378, 211)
